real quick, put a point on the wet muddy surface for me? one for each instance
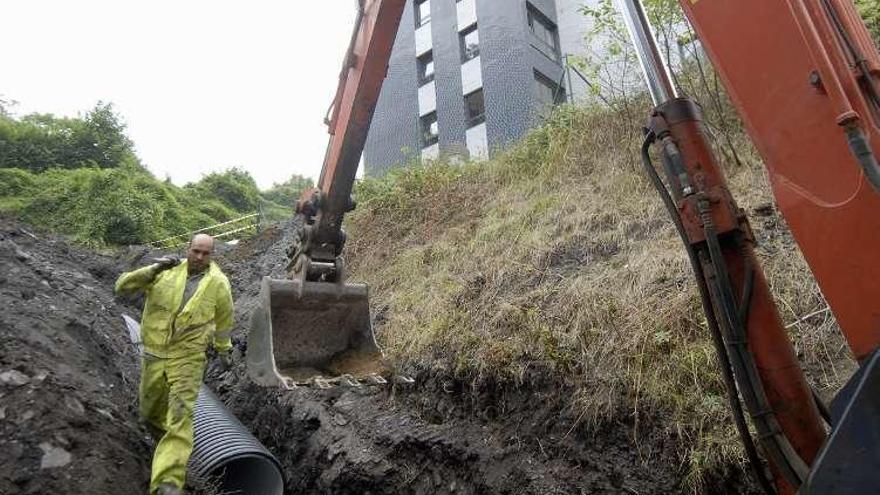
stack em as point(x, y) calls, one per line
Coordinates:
point(68, 413)
point(68, 376)
point(437, 435)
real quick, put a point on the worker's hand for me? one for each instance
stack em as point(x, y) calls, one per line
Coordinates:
point(224, 361)
point(166, 262)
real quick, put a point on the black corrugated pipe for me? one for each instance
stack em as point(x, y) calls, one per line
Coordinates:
point(225, 454)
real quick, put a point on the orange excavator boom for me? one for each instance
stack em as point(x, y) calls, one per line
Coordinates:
point(804, 76)
point(314, 328)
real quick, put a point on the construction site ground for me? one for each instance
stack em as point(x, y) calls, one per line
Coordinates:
point(68, 414)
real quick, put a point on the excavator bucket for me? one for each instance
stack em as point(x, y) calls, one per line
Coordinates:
point(313, 333)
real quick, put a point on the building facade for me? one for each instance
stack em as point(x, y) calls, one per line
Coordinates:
point(468, 77)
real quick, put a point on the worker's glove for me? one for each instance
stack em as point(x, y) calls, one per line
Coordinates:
point(224, 361)
point(166, 262)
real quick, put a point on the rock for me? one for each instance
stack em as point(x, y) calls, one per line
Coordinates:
point(23, 256)
point(53, 456)
point(74, 405)
point(14, 450)
point(40, 377)
point(14, 378)
point(25, 232)
point(107, 414)
point(61, 439)
point(2, 413)
point(29, 414)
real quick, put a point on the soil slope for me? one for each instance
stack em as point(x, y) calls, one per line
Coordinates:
point(68, 416)
point(439, 436)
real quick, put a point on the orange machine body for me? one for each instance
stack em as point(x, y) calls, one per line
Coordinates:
point(794, 83)
point(787, 392)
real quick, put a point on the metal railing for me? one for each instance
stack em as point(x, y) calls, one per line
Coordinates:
point(247, 224)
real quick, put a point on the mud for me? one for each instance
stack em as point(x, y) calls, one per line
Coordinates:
point(68, 419)
point(438, 435)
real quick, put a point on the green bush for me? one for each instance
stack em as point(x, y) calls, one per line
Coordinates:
point(15, 182)
point(870, 10)
point(40, 142)
point(286, 193)
point(81, 177)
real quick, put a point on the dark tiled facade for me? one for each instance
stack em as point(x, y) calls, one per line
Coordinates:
point(512, 60)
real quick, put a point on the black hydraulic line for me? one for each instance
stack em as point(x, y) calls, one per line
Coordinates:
point(856, 57)
point(864, 154)
point(711, 321)
point(770, 434)
point(822, 407)
point(746, 299)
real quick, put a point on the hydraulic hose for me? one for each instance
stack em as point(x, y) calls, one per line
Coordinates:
point(711, 320)
point(776, 445)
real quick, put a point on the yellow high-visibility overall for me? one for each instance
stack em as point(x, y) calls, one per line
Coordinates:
point(175, 339)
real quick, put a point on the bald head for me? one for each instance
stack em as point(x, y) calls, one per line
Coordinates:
point(198, 256)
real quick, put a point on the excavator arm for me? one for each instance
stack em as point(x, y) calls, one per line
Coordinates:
point(314, 328)
point(324, 207)
point(803, 75)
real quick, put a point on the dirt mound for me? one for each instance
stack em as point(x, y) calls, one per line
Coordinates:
point(441, 435)
point(68, 415)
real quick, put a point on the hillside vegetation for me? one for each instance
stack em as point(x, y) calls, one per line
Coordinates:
point(82, 177)
point(556, 263)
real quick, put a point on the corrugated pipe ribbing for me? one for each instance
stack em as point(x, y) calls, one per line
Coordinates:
point(227, 455)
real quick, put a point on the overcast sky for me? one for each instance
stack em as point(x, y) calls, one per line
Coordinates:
point(203, 85)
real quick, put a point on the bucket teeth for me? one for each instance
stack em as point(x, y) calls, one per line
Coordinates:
point(322, 383)
point(349, 380)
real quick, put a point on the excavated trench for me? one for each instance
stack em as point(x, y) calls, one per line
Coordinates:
point(68, 417)
point(438, 435)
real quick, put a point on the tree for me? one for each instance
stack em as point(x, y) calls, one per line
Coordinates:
point(39, 142)
point(614, 67)
point(234, 188)
point(287, 192)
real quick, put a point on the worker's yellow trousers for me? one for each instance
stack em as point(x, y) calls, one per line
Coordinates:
point(168, 392)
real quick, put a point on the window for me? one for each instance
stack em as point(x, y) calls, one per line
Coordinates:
point(470, 43)
point(426, 68)
point(544, 29)
point(423, 12)
point(547, 94)
point(475, 108)
point(430, 129)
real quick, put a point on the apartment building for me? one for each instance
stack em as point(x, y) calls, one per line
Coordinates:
point(468, 77)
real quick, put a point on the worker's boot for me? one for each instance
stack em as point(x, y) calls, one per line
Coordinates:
point(168, 489)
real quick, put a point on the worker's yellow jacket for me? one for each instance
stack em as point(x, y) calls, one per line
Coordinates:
point(169, 331)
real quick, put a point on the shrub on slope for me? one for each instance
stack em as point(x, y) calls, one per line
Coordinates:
point(557, 261)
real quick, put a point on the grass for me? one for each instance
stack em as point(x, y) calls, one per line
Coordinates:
point(557, 258)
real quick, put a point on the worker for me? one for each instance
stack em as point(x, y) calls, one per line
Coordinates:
point(188, 308)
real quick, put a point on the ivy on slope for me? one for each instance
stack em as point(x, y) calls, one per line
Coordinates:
point(81, 177)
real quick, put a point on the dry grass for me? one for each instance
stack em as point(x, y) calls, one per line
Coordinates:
point(557, 258)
